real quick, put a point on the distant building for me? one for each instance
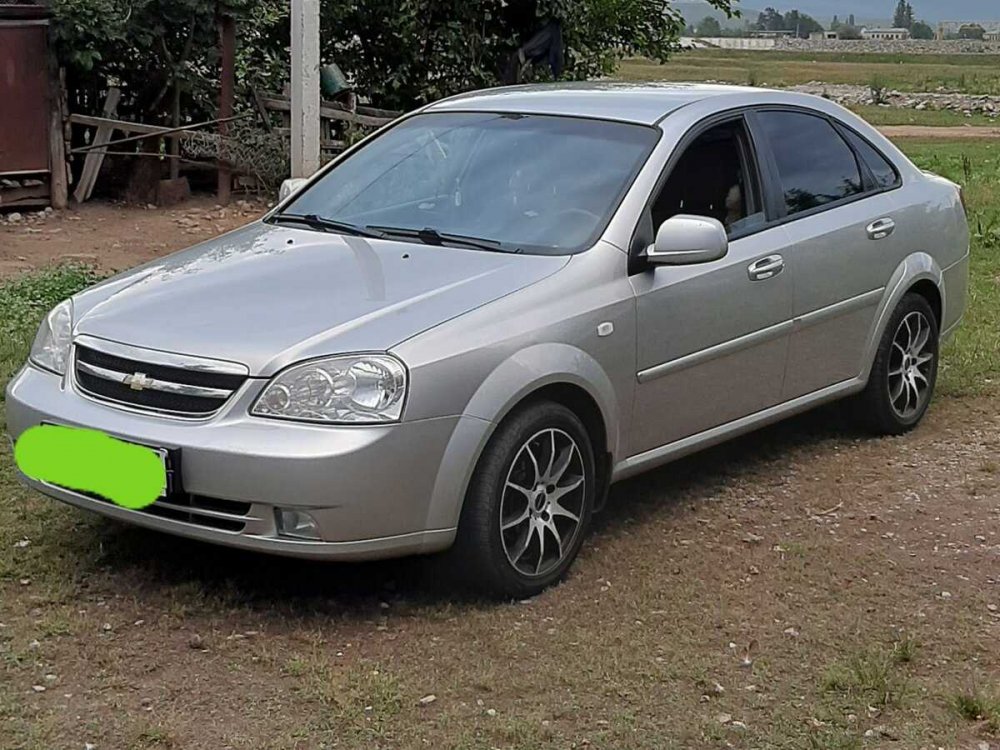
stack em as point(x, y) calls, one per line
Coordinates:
point(992, 36)
point(894, 34)
point(821, 36)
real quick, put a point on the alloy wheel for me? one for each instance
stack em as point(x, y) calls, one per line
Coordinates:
point(910, 363)
point(543, 501)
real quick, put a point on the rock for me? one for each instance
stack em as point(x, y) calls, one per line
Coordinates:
point(197, 643)
point(491, 712)
point(724, 718)
point(427, 700)
point(14, 218)
point(38, 688)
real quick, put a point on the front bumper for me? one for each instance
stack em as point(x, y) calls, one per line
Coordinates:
point(374, 491)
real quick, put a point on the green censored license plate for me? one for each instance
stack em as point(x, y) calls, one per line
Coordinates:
point(129, 475)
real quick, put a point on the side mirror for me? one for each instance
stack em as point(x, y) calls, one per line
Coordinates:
point(685, 239)
point(291, 186)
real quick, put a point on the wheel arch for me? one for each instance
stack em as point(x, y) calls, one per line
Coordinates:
point(919, 273)
point(558, 372)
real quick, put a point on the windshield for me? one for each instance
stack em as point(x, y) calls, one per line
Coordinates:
point(526, 183)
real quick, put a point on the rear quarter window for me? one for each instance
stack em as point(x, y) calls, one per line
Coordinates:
point(883, 172)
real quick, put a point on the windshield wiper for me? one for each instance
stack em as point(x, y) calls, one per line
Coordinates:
point(315, 221)
point(431, 236)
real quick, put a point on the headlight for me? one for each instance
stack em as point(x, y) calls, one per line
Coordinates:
point(357, 389)
point(52, 342)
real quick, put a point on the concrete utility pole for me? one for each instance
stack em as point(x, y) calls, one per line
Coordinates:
point(305, 87)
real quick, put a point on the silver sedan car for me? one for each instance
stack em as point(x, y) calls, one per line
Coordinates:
point(459, 333)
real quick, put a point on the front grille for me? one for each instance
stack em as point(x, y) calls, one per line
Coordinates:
point(155, 381)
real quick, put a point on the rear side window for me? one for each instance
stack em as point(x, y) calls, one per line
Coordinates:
point(815, 165)
point(881, 168)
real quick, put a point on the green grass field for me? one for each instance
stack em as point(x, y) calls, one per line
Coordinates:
point(972, 361)
point(972, 74)
point(880, 116)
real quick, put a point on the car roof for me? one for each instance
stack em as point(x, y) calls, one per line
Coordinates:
point(641, 103)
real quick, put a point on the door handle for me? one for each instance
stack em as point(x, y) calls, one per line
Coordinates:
point(881, 228)
point(766, 268)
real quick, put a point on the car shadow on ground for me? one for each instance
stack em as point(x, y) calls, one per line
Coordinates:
point(266, 584)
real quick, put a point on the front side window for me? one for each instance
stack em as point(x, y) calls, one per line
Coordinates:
point(714, 178)
point(815, 165)
point(528, 183)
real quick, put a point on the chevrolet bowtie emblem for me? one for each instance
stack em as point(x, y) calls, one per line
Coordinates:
point(137, 381)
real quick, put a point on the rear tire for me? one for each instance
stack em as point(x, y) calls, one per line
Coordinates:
point(904, 374)
point(529, 504)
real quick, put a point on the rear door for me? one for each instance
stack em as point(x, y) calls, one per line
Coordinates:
point(842, 247)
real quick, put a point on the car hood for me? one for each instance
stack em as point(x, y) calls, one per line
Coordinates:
point(268, 296)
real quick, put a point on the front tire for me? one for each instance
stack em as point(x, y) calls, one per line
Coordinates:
point(904, 374)
point(529, 504)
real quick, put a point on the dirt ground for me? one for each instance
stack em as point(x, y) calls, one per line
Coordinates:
point(946, 133)
point(115, 237)
point(714, 605)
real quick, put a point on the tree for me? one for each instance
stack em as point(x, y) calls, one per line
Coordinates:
point(770, 20)
point(800, 24)
point(399, 54)
point(709, 26)
point(899, 16)
point(151, 47)
point(903, 17)
point(972, 31)
point(921, 30)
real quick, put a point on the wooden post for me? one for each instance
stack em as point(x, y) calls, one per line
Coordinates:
point(305, 88)
point(175, 143)
point(227, 34)
point(58, 178)
point(92, 164)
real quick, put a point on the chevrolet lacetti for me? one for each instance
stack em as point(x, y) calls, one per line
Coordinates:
point(459, 333)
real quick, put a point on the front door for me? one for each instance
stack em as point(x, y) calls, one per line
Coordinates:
point(712, 338)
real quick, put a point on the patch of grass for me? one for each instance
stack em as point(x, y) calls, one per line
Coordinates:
point(870, 677)
point(978, 706)
point(23, 303)
point(834, 739)
point(153, 737)
point(904, 650)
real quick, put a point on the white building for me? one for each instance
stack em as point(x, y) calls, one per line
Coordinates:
point(895, 34)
